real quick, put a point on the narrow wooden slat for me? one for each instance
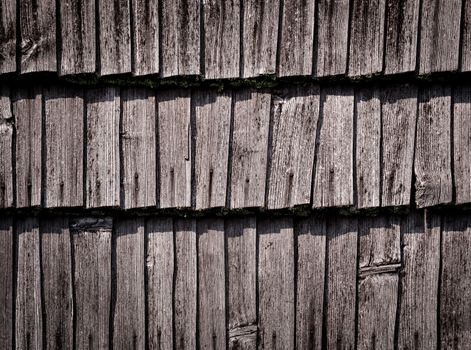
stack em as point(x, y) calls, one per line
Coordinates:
point(91, 244)
point(276, 283)
point(294, 125)
point(249, 149)
point(466, 38)
point(174, 148)
point(6, 280)
point(433, 147)
point(6, 148)
point(160, 270)
point(102, 173)
point(333, 179)
point(138, 148)
point(56, 264)
point(7, 36)
point(129, 303)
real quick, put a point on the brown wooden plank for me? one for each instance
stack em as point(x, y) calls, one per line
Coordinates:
point(249, 148)
point(56, 264)
point(138, 142)
point(7, 241)
point(64, 147)
point(160, 270)
point(399, 115)
point(7, 36)
point(129, 303)
point(102, 173)
point(180, 43)
point(333, 179)
point(241, 272)
point(466, 38)
point(91, 244)
point(259, 37)
point(28, 311)
point(6, 148)
point(294, 124)
point(276, 283)
point(77, 37)
point(432, 163)
point(402, 24)
point(174, 148)
point(311, 242)
point(439, 36)
point(212, 129)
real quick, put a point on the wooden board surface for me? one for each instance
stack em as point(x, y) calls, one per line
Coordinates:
point(466, 38)
point(7, 36)
point(7, 308)
point(6, 149)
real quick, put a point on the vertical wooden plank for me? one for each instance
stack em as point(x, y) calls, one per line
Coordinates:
point(311, 244)
point(129, 302)
point(259, 37)
point(138, 148)
point(276, 283)
point(241, 272)
point(294, 125)
point(102, 173)
point(91, 244)
point(56, 264)
point(180, 43)
point(466, 38)
point(212, 129)
point(433, 147)
point(6, 148)
point(28, 310)
point(439, 36)
point(174, 148)
point(7, 36)
point(160, 270)
point(249, 149)
point(333, 179)
point(6, 280)
point(64, 147)
point(399, 115)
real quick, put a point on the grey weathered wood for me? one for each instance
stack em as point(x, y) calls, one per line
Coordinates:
point(399, 115)
point(276, 283)
point(368, 147)
point(91, 242)
point(402, 24)
point(64, 147)
point(160, 270)
point(27, 111)
point(7, 36)
point(311, 242)
point(211, 284)
point(180, 37)
point(185, 284)
point(221, 38)
point(28, 310)
point(114, 37)
point(439, 36)
point(333, 179)
point(367, 37)
point(294, 124)
point(38, 36)
point(249, 149)
point(138, 148)
point(297, 38)
point(6, 148)
point(56, 265)
point(77, 37)
point(241, 282)
point(129, 302)
point(259, 37)
point(7, 242)
point(332, 37)
point(174, 148)
point(432, 163)
point(102, 173)
point(466, 38)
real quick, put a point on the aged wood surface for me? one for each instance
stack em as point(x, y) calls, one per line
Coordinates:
point(7, 36)
point(6, 148)
point(466, 38)
point(7, 244)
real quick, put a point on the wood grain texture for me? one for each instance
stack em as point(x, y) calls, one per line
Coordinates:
point(439, 36)
point(138, 142)
point(294, 125)
point(129, 303)
point(6, 148)
point(399, 115)
point(249, 149)
point(64, 147)
point(333, 179)
point(7, 241)
point(7, 36)
point(466, 38)
point(433, 147)
point(221, 38)
point(174, 113)
point(91, 244)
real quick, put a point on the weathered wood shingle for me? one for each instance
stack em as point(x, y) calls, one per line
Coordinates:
point(6, 148)
point(7, 36)
point(7, 246)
